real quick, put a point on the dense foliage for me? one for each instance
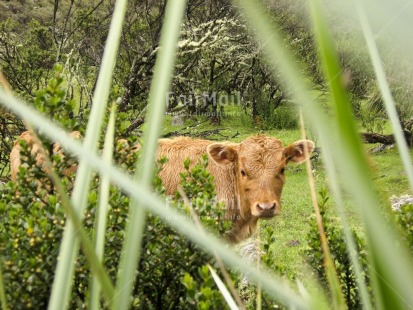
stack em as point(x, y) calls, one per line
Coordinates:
point(337, 245)
point(32, 221)
point(404, 218)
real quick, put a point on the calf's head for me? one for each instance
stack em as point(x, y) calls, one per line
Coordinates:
point(259, 164)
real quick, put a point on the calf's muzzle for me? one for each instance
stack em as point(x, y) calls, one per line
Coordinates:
point(267, 209)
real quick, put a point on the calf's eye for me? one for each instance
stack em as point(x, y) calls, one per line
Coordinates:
point(282, 170)
point(243, 172)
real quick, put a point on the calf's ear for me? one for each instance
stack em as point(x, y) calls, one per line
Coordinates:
point(222, 153)
point(295, 151)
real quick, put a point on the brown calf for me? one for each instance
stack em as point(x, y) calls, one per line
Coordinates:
point(249, 176)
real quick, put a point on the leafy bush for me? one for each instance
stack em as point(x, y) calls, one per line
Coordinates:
point(337, 244)
point(52, 100)
point(405, 220)
point(171, 266)
point(372, 119)
point(282, 117)
point(32, 221)
point(31, 227)
point(200, 295)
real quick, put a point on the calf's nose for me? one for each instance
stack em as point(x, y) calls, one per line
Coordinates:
point(266, 206)
point(267, 209)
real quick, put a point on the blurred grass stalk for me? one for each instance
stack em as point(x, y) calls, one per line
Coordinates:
point(95, 265)
point(389, 281)
point(223, 289)
point(341, 143)
point(386, 92)
point(62, 283)
point(332, 72)
point(329, 266)
point(218, 259)
point(102, 211)
point(160, 85)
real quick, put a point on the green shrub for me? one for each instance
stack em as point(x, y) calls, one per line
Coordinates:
point(405, 220)
point(171, 266)
point(283, 117)
point(32, 221)
point(338, 249)
point(31, 225)
point(200, 295)
point(53, 101)
point(372, 119)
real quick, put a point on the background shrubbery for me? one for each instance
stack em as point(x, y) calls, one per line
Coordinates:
point(404, 218)
point(171, 267)
point(337, 245)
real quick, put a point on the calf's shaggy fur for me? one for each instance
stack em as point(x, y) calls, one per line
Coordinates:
point(249, 176)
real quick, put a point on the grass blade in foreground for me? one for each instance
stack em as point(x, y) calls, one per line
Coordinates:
point(386, 94)
point(330, 268)
point(145, 167)
point(218, 259)
point(271, 283)
point(102, 212)
point(390, 290)
point(223, 289)
point(94, 263)
point(62, 282)
point(338, 93)
point(345, 153)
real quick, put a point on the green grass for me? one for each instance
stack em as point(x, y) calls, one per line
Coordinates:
point(293, 225)
point(294, 222)
point(390, 176)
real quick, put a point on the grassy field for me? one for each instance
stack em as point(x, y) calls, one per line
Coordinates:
point(293, 225)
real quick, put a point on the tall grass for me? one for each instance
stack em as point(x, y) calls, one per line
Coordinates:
point(386, 92)
point(102, 212)
point(145, 167)
point(341, 143)
point(346, 163)
point(62, 282)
